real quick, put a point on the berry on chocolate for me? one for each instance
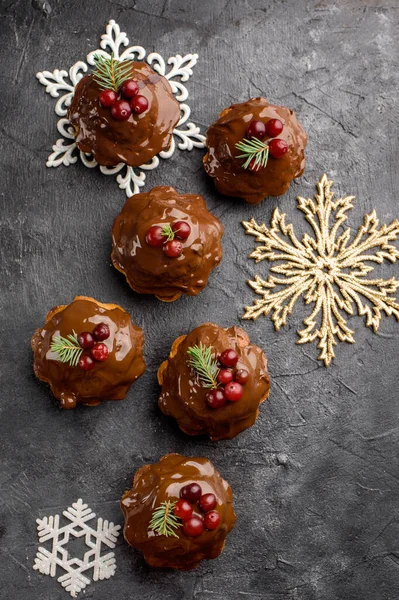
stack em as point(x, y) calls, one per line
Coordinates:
point(193, 527)
point(173, 248)
point(183, 510)
point(191, 492)
point(207, 502)
point(277, 148)
point(101, 332)
point(108, 98)
point(225, 376)
point(216, 398)
point(233, 391)
point(256, 129)
point(139, 104)
point(155, 237)
point(129, 88)
point(274, 127)
point(86, 340)
point(86, 362)
point(229, 358)
point(121, 110)
point(181, 229)
point(212, 520)
point(241, 376)
point(100, 352)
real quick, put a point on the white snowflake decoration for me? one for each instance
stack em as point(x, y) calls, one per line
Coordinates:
point(74, 579)
point(65, 151)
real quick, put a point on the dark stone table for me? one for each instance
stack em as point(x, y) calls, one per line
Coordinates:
point(316, 479)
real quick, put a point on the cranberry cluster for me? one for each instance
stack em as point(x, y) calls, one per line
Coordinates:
point(125, 102)
point(158, 237)
point(232, 381)
point(193, 524)
point(273, 128)
point(93, 342)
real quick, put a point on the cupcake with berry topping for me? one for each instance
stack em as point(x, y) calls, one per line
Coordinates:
point(255, 150)
point(123, 112)
point(178, 512)
point(213, 382)
point(88, 352)
point(166, 243)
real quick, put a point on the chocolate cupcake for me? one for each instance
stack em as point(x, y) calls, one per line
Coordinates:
point(213, 382)
point(130, 121)
point(178, 512)
point(166, 243)
point(255, 150)
point(88, 352)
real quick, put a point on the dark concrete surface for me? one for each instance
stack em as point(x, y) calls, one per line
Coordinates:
point(316, 479)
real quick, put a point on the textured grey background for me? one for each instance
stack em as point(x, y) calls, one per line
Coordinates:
point(323, 526)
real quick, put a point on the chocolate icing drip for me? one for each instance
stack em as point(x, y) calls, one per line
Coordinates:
point(147, 269)
point(184, 398)
point(109, 380)
point(156, 483)
point(135, 141)
point(230, 177)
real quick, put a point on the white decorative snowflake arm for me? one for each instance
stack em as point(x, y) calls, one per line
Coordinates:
point(114, 41)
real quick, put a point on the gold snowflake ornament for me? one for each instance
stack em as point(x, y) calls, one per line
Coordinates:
point(326, 269)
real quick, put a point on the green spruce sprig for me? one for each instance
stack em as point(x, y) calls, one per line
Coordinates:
point(168, 232)
point(253, 149)
point(110, 73)
point(205, 365)
point(68, 349)
point(164, 521)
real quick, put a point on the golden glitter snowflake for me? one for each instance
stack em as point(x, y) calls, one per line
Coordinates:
point(328, 270)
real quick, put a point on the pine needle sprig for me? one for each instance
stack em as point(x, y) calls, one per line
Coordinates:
point(168, 232)
point(164, 521)
point(205, 365)
point(253, 149)
point(110, 73)
point(68, 349)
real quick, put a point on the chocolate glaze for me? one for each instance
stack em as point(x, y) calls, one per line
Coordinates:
point(156, 483)
point(184, 398)
point(109, 380)
point(134, 141)
point(253, 186)
point(147, 269)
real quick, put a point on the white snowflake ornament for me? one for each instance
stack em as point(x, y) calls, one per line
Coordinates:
point(47, 559)
point(186, 135)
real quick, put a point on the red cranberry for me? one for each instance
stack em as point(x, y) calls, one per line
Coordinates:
point(86, 362)
point(181, 230)
point(100, 352)
point(277, 148)
point(129, 88)
point(253, 166)
point(274, 127)
point(86, 340)
point(173, 248)
point(229, 358)
point(207, 502)
point(216, 399)
point(121, 110)
point(183, 510)
point(191, 492)
point(139, 104)
point(233, 391)
point(101, 332)
point(193, 527)
point(108, 98)
point(155, 237)
point(256, 129)
point(242, 376)
point(225, 376)
point(212, 520)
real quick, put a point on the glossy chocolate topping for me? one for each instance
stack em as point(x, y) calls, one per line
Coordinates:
point(109, 380)
point(147, 269)
point(229, 175)
point(156, 483)
point(134, 141)
point(184, 398)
